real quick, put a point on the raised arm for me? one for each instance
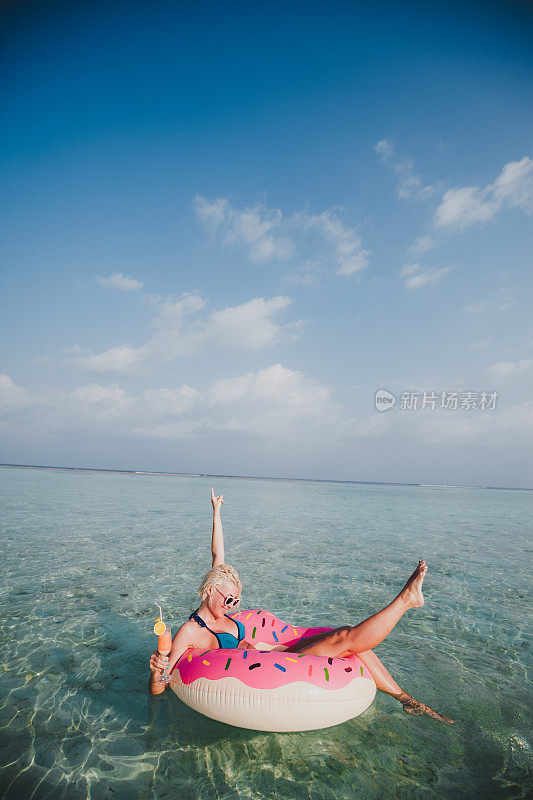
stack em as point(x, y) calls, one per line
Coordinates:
point(217, 542)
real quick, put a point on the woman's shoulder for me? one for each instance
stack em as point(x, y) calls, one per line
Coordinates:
point(199, 632)
point(189, 625)
point(192, 635)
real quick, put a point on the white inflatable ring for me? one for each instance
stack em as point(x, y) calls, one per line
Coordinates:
point(269, 690)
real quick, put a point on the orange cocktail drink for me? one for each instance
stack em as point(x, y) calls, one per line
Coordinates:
point(164, 644)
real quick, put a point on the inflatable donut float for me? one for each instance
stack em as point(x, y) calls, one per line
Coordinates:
point(271, 690)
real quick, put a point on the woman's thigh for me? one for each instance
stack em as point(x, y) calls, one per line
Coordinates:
point(330, 643)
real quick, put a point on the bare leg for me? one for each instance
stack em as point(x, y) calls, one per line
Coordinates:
point(416, 708)
point(386, 683)
point(382, 678)
point(369, 633)
point(372, 631)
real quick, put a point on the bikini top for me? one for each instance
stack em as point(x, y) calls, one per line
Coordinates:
point(227, 640)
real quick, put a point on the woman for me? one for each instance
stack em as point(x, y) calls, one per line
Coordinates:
point(209, 627)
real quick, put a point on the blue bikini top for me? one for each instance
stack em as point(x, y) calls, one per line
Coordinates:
point(227, 640)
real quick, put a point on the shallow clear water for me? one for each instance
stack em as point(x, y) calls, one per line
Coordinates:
point(85, 554)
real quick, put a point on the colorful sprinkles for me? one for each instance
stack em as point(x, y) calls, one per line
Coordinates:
point(269, 621)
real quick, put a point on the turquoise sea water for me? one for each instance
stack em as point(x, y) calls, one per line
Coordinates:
point(85, 554)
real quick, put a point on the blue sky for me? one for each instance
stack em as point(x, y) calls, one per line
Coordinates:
point(226, 226)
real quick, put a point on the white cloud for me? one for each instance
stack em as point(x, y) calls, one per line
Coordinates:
point(503, 370)
point(254, 228)
point(273, 402)
point(280, 408)
point(173, 328)
point(278, 386)
point(346, 243)
point(483, 306)
point(178, 331)
point(173, 313)
point(422, 244)
point(267, 234)
point(513, 188)
point(181, 429)
point(375, 426)
point(385, 149)
point(514, 185)
point(171, 402)
point(410, 184)
point(11, 395)
point(120, 281)
point(250, 323)
point(417, 276)
point(464, 207)
point(306, 275)
point(409, 269)
point(101, 401)
point(506, 306)
point(257, 229)
point(479, 308)
point(508, 426)
point(213, 213)
point(122, 359)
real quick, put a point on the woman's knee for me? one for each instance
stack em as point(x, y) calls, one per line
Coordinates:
point(331, 643)
point(339, 638)
point(343, 636)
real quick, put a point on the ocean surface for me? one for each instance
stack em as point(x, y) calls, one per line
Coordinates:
point(84, 556)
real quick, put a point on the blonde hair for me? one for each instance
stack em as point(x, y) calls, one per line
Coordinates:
point(216, 577)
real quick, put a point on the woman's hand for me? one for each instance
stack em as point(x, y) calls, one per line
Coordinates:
point(217, 501)
point(158, 664)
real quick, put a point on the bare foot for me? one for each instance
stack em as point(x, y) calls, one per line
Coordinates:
point(412, 591)
point(416, 708)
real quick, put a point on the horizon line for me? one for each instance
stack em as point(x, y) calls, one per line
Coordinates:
point(264, 477)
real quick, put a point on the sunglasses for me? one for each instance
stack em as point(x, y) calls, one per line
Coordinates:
point(229, 601)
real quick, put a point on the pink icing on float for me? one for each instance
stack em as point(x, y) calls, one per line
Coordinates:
point(272, 690)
